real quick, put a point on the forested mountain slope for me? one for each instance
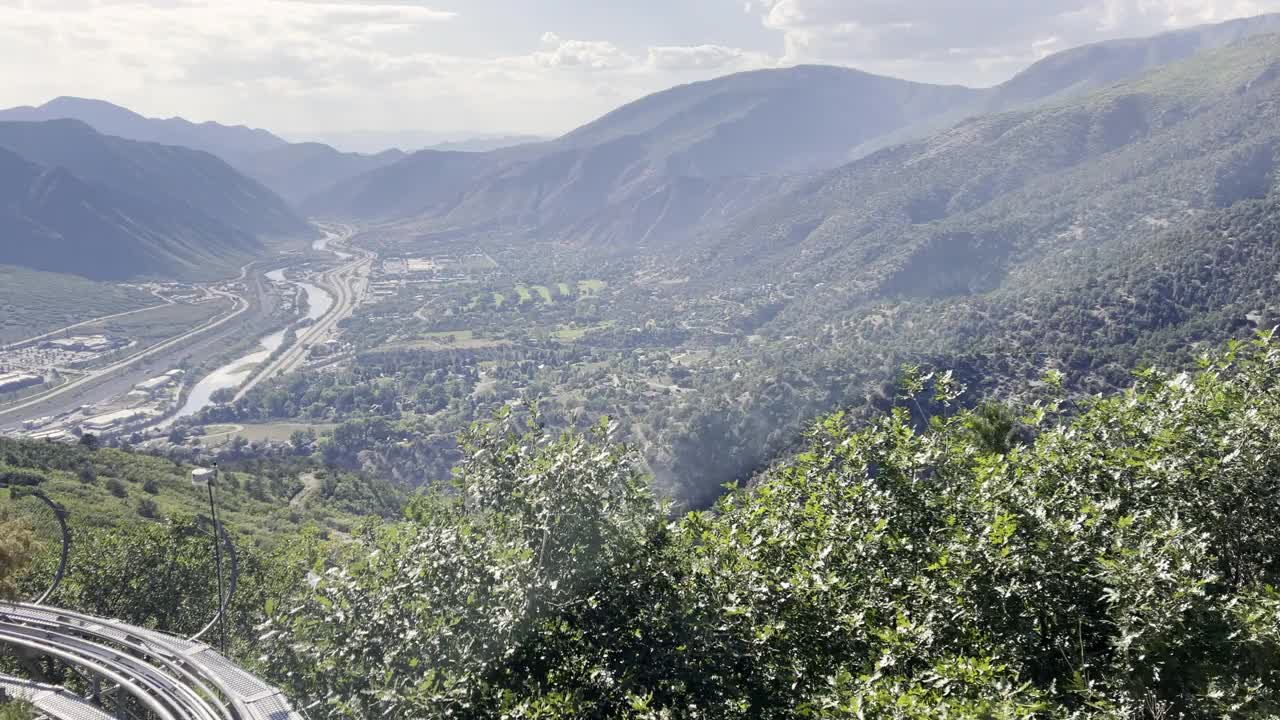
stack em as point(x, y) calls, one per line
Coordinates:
point(54, 221)
point(176, 177)
point(1093, 67)
point(655, 166)
point(1091, 237)
point(684, 160)
point(956, 212)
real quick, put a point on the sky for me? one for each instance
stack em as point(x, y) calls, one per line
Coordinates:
point(317, 68)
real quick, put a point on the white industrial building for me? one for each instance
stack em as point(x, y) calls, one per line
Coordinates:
point(13, 382)
point(116, 420)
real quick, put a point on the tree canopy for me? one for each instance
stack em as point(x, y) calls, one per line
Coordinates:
point(1117, 562)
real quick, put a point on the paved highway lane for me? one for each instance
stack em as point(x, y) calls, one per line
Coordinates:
point(343, 283)
point(249, 311)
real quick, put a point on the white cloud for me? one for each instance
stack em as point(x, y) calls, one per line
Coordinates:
point(396, 64)
point(923, 39)
point(309, 65)
point(585, 54)
point(704, 57)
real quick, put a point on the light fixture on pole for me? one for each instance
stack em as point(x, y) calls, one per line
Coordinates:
point(209, 477)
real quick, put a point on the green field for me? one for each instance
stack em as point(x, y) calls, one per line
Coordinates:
point(33, 303)
point(571, 333)
point(587, 288)
point(548, 294)
point(216, 435)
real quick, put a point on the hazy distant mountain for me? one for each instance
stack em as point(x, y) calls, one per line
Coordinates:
point(226, 141)
point(485, 144)
point(1093, 67)
point(659, 163)
point(1016, 199)
point(300, 170)
point(52, 220)
point(690, 158)
point(161, 174)
point(372, 142)
point(292, 170)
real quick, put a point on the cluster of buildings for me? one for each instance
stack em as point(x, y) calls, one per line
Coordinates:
point(15, 381)
point(85, 343)
point(143, 405)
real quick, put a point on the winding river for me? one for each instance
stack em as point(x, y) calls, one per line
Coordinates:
point(236, 372)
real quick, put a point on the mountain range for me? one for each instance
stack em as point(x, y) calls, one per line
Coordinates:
point(686, 161)
point(294, 170)
point(55, 221)
point(689, 167)
point(107, 208)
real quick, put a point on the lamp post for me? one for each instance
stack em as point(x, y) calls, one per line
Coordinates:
point(208, 477)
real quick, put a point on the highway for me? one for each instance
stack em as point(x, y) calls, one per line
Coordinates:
point(172, 678)
point(343, 283)
point(238, 304)
point(243, 315)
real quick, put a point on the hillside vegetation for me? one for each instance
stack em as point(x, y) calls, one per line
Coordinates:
point(1004, 563)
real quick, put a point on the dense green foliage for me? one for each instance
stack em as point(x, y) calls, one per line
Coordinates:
point(263, 501)
point(16, 552)
point(16, 710)
point(1116, 564)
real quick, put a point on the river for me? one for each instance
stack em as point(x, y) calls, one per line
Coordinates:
point(323, 244)
point(235, 373)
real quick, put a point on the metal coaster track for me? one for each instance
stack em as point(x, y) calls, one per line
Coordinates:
point(167, 677)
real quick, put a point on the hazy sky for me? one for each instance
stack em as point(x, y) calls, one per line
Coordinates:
point(531, 66)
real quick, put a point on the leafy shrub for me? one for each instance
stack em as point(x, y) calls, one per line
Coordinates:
point(1120, 564)
point(117, 488)
point(17, 549)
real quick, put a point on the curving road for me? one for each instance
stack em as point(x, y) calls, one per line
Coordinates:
point(173, 678)
point(343, 283)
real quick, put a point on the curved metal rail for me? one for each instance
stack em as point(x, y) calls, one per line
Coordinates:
point(60, 514)
point(173, 678)
point(51, 700)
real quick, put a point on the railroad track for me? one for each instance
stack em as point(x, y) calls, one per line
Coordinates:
point(170, 677)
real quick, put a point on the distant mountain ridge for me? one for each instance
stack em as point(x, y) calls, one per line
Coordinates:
point(292, 170)
point(77, 201)
point(300, 170)
point(226, 141)
point(687, 160)
point(159, 173)
point(56, 222)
